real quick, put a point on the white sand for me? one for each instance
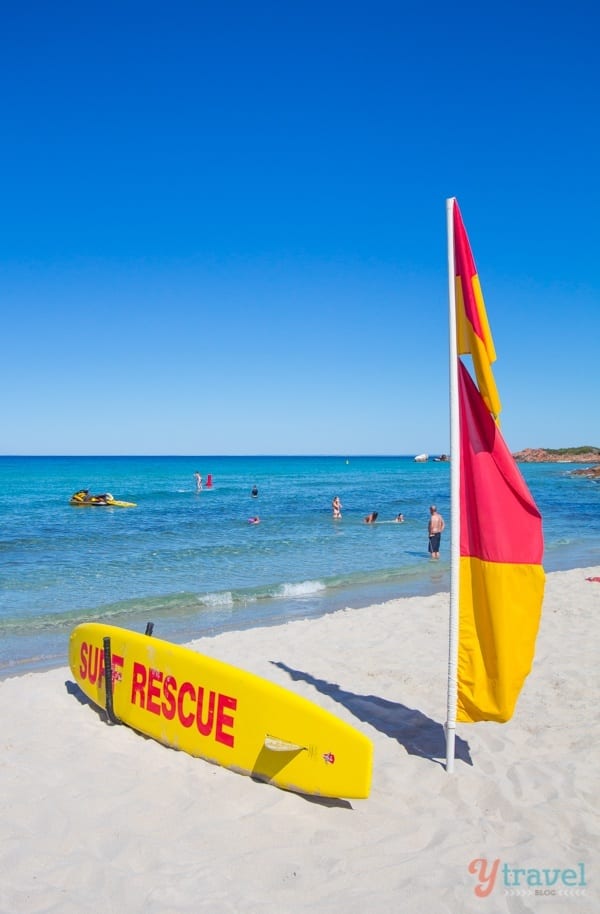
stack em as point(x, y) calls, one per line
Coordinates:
point(95, 819)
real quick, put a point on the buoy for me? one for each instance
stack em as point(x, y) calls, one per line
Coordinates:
point(209, 481)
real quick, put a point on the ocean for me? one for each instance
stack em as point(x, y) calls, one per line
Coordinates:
point(192, 564)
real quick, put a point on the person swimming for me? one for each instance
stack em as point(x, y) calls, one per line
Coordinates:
point(372, 517)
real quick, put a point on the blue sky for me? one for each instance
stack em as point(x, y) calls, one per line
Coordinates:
point(223, 226)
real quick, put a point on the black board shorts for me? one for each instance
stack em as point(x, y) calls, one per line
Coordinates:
point(434, 542)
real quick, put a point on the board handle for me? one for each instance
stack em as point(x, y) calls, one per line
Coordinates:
point(108, 683)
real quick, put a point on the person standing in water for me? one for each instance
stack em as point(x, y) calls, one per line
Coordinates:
point(336, 507)
point(198, 479)
point(436, 527)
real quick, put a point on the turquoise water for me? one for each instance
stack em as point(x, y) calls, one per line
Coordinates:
point(192, 564)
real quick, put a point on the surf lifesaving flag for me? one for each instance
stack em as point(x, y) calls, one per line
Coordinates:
point(501, 578)
point(473, 334)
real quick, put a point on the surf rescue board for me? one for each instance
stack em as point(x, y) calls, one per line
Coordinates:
point(220, 713)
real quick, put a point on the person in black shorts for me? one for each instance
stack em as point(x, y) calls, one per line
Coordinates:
point(435, 528)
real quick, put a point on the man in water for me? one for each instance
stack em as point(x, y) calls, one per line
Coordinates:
point(198, 479)
point(436, 526)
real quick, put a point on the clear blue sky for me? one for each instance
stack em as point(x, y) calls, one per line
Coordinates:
point(223, 226)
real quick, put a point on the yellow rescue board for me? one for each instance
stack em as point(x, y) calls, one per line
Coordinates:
point(222, 714)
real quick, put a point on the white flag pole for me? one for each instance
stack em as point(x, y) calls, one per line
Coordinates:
point(454, 499)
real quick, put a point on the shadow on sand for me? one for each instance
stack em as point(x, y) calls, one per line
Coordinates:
point(78, 693)
point(419, 734)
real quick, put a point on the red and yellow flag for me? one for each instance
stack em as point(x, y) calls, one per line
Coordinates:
point(473, 334)
point(501, 579)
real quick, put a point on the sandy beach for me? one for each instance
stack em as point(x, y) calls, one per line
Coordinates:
point(95, 818)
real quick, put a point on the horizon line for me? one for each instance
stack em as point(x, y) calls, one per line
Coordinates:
point(341, 456)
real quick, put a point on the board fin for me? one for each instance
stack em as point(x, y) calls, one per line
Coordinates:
point(281, 745)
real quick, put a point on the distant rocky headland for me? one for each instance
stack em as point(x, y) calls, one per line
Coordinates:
point(586, 454)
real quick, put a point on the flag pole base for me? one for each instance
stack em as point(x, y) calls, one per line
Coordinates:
point(450, 729)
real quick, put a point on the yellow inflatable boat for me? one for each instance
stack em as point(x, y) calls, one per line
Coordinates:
point(83, 499)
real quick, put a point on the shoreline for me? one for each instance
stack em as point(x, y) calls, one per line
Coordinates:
point(213, 572)
point(278, 611)
point(271, 613)
point(98, 817)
